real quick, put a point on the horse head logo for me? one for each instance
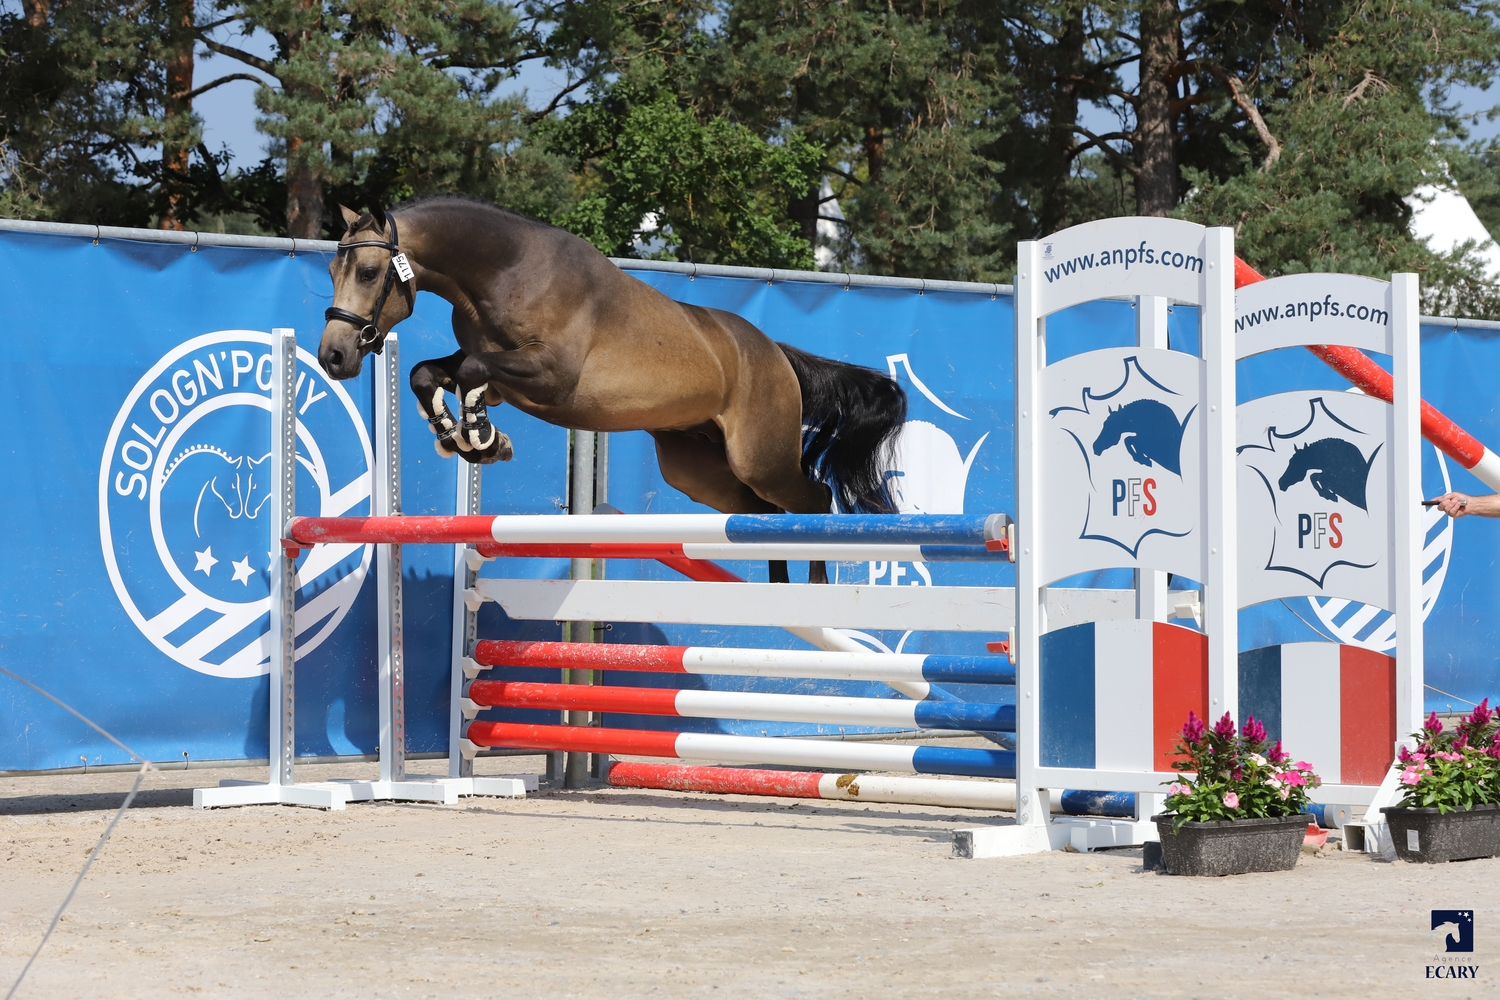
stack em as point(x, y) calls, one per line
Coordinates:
point(1333, 467)
point(243, 487)
point(1150, 431)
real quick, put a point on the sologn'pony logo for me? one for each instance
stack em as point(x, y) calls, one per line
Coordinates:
point(184, 502)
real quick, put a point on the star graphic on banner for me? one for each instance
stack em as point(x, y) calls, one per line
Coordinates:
point(206, 561)
point(242, 571)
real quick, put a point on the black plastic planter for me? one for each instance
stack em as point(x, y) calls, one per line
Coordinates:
point(1426, 835)
point(1232, 846)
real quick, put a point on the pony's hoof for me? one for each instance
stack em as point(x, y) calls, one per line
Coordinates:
point(500, 451)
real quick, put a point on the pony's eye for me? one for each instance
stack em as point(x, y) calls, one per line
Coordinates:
point(366, 274)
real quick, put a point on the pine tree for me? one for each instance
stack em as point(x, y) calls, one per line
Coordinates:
point(906, 98)
point(1346, 130)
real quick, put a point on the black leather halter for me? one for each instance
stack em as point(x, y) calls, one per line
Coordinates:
point(371, 337)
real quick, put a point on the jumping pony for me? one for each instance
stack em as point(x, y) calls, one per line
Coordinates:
point(546, 323)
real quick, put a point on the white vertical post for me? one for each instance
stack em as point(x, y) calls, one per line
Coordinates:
point(386, 502)
point(465, 622)
point(1151, 331)
point(1220, 497)
point(283, 635)
point(1406, 505)
point(580, 501)
point(1031, 356)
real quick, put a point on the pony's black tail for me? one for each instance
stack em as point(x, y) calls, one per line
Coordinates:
point(850, 415)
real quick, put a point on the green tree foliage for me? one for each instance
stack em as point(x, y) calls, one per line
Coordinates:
point(724, 130)
point(1351, 125)
point(655, 175)
point(907, 101)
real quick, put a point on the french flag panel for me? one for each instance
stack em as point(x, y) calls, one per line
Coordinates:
point(1331, 705)
point(1115, 694)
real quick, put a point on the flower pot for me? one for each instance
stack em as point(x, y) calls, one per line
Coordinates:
point(1425, 835)
point(1231, 847)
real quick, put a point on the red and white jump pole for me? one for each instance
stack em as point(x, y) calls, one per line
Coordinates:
point(1373, 380)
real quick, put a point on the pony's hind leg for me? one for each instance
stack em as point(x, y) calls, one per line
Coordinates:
point(694, 462)
point(430, 381)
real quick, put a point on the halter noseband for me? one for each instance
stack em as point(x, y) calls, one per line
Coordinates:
point(371, 337)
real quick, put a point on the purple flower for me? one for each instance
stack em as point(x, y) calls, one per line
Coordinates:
point(1193, 729)
point(1461, 742)
point(1254, 731)
point(1238, 774)
point(1224, 727)
point(1231, 800)
point(1276, 755)
point(1433, 724)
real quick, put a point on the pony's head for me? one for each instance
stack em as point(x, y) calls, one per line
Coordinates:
point(365, 276)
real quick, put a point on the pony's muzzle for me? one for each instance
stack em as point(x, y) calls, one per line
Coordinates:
point(339, 352)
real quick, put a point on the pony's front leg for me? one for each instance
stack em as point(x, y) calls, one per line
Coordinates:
point(430, 381)
point(482, 441)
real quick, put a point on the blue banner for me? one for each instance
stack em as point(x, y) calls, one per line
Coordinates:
point(134, 530)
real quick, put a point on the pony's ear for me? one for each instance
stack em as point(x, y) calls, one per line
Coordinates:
point(377, 212)
point(350, 217)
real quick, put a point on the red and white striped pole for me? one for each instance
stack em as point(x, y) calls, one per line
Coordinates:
point(1352, 363)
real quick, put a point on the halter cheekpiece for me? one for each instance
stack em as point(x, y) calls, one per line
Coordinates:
point(371, 338)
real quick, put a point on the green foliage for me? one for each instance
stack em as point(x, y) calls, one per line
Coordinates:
point(724, 130)
point(1234, 775)
point(707, 191)
point(1453, 770)
point(907, 101)
point(1359, 123)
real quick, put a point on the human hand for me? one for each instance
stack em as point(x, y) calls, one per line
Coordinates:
point(1454, 504)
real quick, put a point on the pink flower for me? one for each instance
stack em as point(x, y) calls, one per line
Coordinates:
point(1231, 800)
point(1294, 778)
point(1178, 789)
point(1283, 793)
point(1303, 765)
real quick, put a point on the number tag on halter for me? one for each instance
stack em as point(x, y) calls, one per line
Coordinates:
point(403, 269)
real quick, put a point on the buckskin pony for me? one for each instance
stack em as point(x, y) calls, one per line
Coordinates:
point(546, 323)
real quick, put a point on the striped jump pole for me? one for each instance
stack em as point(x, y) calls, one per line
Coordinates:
point(811, 663)
point(985, 531)
point(827, 710)
point(757, 551)
point(991, 795)
point(1373, 380)
point(849, 756)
